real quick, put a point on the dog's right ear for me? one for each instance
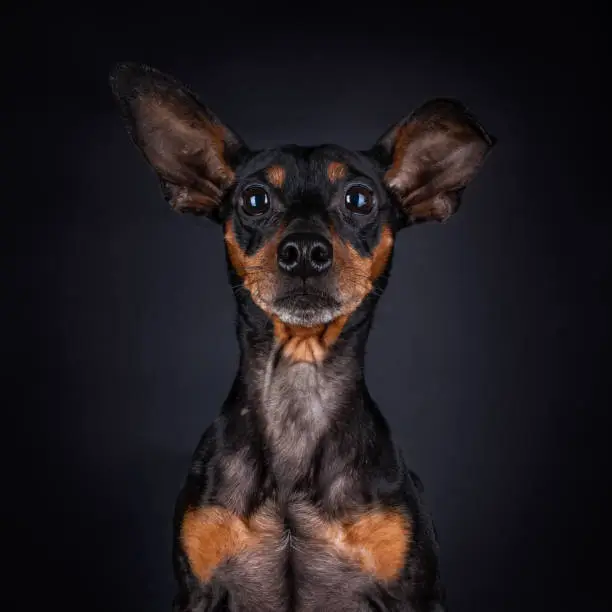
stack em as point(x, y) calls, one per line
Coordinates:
point(193, 153)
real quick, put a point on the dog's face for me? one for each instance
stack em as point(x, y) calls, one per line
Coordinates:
point(309, 231)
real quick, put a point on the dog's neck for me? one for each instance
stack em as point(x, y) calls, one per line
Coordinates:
point(300, 394)
point(265, 338)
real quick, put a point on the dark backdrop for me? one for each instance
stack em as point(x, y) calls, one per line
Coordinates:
point(489, 351)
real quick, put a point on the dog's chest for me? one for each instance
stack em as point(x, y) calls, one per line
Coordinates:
point(297, 564)
point(299, 402)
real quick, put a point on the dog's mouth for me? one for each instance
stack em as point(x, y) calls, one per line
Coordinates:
point(306, 307)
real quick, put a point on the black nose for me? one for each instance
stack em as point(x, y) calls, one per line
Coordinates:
point(304, 254)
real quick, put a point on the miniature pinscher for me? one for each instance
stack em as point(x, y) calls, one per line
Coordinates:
point(297, 498)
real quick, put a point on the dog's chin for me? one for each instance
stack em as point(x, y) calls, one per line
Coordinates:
point(306, 318)
point(306, 310)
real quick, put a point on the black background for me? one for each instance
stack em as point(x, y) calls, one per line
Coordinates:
point(490, 347)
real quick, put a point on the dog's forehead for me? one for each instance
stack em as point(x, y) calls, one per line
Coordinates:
point(307, 168)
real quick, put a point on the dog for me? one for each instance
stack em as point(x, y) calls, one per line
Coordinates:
point(297, 498)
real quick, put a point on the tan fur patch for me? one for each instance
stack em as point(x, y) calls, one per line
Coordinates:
point(276, 176)
point(378, 541)
point(356, 274)
point(307, 344)
point(258, 271)
point(381, 253)
point(211, 535)
point(336, 171)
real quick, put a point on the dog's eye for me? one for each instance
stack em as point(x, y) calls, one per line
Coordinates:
point(255, 201)
point(359, 199)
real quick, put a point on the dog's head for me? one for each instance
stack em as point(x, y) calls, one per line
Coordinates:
point(309, 231)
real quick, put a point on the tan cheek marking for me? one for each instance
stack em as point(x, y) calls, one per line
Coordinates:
point(245, 264)
point(356, 273)
point(377, 541)
point(213, 534)
point(336, 171)
point(258, 271)
point(276, 176)
point(352, 273)
point(236, 255)
point(382, 252)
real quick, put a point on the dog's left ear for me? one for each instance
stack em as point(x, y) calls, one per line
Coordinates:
point(431, 156)
point(193, 153)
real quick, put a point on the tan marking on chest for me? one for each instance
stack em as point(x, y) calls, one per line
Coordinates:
point(307, 344)
point(356, 274)
point(377, 541)
point(213, 534)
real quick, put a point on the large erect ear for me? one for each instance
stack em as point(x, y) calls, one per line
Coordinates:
point(430, 158)
point(193, 153)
